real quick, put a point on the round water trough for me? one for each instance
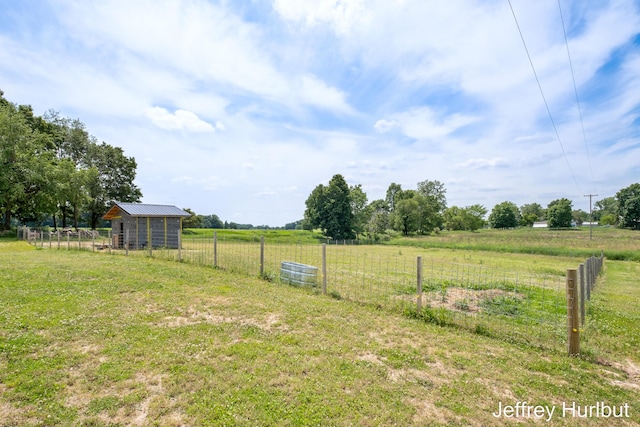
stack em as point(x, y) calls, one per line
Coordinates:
point(295, 273)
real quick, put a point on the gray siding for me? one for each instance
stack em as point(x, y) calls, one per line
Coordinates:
point(163, 236)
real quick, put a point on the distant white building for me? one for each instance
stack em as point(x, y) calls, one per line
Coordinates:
point(540, 224)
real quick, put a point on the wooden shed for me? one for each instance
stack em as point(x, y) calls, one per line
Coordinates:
point(140, 225)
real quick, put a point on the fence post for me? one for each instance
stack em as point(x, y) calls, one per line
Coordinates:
point(215, 249)
point(261, 256)
point(180, 245)
point(79, 241)
point(324, 269)
point(49, 240)
point(573, 322)
point(93, 241)
point(110, 241)
point(150, 241)
point(58, 233)
point(582, 293)
point(126, 242)
point(68, 241)
point(587, 277)
point(419, 284)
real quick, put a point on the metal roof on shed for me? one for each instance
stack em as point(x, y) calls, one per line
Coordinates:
point(144, 210)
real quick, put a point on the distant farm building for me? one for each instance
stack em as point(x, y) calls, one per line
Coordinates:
point(140, 225)
point(540, 224)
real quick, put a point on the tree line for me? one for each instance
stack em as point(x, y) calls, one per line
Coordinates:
point(342, 211)
point(53, 170)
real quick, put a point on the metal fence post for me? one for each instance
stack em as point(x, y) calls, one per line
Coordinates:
point(215, 249)
point(573, 322)
point(261, 256)
point(419, 283)
point(180, 245)
point(582, 293)
point(324, 269)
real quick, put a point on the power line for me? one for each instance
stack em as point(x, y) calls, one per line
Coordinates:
point(546, 104)
point(575, 88)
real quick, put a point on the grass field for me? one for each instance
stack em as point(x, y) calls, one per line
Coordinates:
point(111, 340)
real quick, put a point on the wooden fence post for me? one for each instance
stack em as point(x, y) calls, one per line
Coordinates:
point(79, 241)
point(324, 269)
point(419, 283)
point(110, 242)
point(126, 242)
point(68, 241)
point(150, 241)
point(573, 321)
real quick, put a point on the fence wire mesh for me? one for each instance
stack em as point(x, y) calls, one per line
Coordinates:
point(512, 305)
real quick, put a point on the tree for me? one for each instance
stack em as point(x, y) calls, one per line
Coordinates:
point(358, 201)
point(329, 208)
point(392, 195)
point(193, 221)
point(527, 220)
point(470, 218)
point(24, 166)
point(434, 205)
point(113, 179)
point(559, 213)
point(407, 215)
point(532, 209)
point(606, 206)
point(378, 222)
point(211, 221)
point(608, 219)
point(435, 192)
point(504, 215)
point(629, 206)
point(580, 216)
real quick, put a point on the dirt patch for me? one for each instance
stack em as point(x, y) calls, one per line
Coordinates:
point(464, 300)
point(194, 317)
point(630, 378)
point(427, 412)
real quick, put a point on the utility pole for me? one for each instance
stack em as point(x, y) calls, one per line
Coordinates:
point(590, 196)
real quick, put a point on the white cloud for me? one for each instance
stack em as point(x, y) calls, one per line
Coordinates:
point(423, 123)
point(342, 15)
point(384, 126)
point(379, 90)
point(483, 163)
point(180, 120)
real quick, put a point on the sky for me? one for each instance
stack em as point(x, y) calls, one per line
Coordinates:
point(240, 108)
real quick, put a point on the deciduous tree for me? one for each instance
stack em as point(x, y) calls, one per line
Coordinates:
point(629, 206)
point(504, 215)
point(559, 213)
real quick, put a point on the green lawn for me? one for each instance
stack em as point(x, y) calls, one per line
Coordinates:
point(92, 339)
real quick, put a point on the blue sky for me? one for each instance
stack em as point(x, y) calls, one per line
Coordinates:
point(240, 108)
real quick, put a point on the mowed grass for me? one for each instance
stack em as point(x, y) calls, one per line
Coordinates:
point(89, 339)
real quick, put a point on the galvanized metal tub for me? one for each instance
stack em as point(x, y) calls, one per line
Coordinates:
point(295, 273)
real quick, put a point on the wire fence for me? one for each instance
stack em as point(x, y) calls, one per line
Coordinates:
point(535, 309)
